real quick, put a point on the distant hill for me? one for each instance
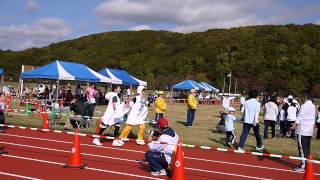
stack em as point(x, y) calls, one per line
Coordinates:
point(269, 57)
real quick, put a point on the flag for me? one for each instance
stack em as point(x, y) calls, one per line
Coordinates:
point(229, 75)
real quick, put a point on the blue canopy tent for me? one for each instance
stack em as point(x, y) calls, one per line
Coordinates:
point(211, 88)
point(188, 85)
point(61, 70)
point(122, 75)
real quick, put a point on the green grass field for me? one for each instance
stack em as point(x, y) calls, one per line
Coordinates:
point(202, 133)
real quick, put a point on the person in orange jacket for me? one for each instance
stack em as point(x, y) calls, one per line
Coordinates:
point(160, 106)
point(192, 106)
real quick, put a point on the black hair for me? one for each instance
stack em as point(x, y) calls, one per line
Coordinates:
point(307, 95)
point(253, 94)
point(114, 87)
point(293, 104)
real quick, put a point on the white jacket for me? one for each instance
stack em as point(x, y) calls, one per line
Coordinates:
point(271, 111)
point(292, 113)
point(112, 116)
point(139, 112)
point(306, 119)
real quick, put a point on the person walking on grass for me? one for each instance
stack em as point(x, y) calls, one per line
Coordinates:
point(271, 112)
point(230, 130)
point(291, 118)
point(160, 106)
point(136, 117)
point(250, 112)
point(192, 107)
point(304, 129)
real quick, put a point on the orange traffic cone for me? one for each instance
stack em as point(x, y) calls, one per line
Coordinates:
point(308, 175)
point(75, 159)
point(45, 124)
point(98, 125)
point(178, 166)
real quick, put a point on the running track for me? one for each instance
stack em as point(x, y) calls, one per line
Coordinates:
point(41, 155)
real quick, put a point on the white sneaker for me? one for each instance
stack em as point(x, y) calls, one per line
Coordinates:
point(240, 149)
point(140, 142)
point(260, 149)
point(97, 142)
point(162, 172)
point(117, 142)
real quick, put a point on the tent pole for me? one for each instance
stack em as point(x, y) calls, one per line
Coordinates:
point(21, 81)
point(2, 82)
point(57, 97)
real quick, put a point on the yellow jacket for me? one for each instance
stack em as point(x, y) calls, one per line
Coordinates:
point(160, 105)
point(192, 102)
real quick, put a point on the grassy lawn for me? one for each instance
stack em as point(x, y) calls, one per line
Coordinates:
point(202, 133)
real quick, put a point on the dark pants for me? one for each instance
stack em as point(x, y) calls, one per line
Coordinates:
point(318, 131)
point(156, 160)
point(230, 137)
point(272, 124)
point(283, 128)
point(115, 132)
point(190, 116)
point(2, 120)
point(291, 131)
point(304, 147)
point(91, 109)
point(158, 116)
point(245, 132)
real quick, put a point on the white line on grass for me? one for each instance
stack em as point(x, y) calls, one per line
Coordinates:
point(19, 176)
point(89, 168)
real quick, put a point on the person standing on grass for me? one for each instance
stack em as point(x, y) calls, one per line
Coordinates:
point(250, 113)
point(318, 124)
point(192, 107)
point(304, 129)
point(2, 111)
point(160, 106)
point(230, 130)
point(160, 154)
point(226, 102)
point(91, 101)
point(136, 117)
point(271, 112)
point(291, 118)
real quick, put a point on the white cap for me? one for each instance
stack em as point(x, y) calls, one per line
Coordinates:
point(140, 89)
point(290, 97)
point(231, 109)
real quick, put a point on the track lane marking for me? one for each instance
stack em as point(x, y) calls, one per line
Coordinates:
point(19, 176)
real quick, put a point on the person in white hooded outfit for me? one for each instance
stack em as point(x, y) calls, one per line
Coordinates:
point(112, 115)
point(136, 117)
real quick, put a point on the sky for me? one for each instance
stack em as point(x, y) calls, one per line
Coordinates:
point(37, 23)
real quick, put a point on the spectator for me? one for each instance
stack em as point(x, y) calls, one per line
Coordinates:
point(91, 101)
point(242, 100)
point(2, 110)
point(291, 118)
point(250, 111)
point(318, 124)
point(271, 112)
point(160, 106)
point(78, 92)
point(230, 130)
point(304, 129)
point(80, 109)
point(69, 98)
point(192, 107)
point(226, 102)
point(159, 155)
point(150, 100)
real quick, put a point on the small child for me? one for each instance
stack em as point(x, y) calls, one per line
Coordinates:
point(230, 133)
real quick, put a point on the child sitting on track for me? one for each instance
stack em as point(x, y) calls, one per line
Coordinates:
point(230, 133)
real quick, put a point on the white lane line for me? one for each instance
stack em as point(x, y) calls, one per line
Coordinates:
point(128, 160)
point(186, 157)
point(229, 174)
point(89, 168)
point(19, 176)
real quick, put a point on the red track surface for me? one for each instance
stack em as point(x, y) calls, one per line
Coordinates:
point(41, 156)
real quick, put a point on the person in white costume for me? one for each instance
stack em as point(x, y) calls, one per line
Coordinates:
point(113, 114)
point(136, 117)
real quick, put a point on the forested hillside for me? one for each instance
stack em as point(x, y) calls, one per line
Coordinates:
point(282, 58)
